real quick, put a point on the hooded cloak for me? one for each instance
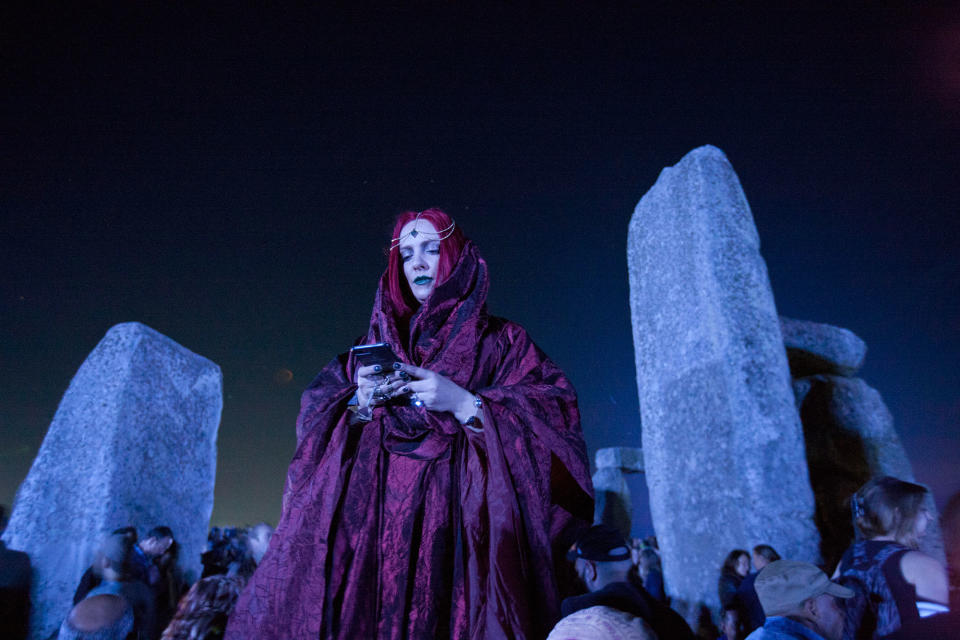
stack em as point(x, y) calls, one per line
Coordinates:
point(411, 526)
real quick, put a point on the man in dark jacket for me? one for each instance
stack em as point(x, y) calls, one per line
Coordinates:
point(601, 558)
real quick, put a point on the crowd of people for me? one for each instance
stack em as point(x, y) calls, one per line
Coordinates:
point(134, 588)
point(883, 587)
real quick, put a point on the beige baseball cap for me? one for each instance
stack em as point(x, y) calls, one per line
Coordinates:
point(784, 585)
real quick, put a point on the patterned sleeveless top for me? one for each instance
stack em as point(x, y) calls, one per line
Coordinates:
point(884, 600)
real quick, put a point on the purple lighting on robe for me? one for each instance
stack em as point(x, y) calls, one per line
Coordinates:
point(410, 526)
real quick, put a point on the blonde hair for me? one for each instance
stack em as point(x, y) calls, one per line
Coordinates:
point(888, 506)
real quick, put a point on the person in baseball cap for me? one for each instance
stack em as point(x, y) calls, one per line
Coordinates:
point(800, 601)
point(601, 557)
point(600, 543)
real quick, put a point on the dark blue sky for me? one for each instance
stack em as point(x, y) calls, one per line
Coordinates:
point(228, 177)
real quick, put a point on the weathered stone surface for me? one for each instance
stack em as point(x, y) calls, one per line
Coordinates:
point(133, 442)
point(814, 347)
point(722, 443)
point(612, 505)
point(850, 438)
point(628, 459)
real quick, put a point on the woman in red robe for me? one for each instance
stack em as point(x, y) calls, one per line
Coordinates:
point(436, 500)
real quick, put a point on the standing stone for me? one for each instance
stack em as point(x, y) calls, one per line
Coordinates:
point(611, 500)
point(814, 347)
point(722, 442)
point(133, 442)
point(850, 438)
point(612, 504)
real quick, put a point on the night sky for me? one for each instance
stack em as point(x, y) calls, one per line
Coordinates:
point(229, 178)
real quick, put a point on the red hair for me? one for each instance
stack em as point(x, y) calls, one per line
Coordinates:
point(397, 287)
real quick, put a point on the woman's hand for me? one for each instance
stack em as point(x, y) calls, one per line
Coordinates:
point(373, 383)
point(439, 393)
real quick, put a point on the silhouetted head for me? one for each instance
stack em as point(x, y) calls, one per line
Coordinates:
point(649, 559)
point(764, 554)
point(160, 545)
point(600, 557)
point(113, 557)
point(889, 508)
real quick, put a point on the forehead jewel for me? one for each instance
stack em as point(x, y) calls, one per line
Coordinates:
point(443, 234)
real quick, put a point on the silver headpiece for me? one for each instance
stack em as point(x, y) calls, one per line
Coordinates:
point(443, 234)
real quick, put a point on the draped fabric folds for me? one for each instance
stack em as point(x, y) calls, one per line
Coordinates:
point(410, 526)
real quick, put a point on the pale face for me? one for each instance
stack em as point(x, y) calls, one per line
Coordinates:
point(420, 256)
point(743, 564)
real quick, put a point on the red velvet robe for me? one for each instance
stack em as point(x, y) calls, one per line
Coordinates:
point(410, 526)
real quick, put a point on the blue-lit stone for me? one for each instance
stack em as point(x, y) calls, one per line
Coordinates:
point(133, 442)
point(713, 379)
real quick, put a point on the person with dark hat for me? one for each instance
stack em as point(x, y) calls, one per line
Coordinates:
point(800, 602)
point(602, 559)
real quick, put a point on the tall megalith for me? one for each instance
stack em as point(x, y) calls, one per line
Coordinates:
point(133, 442)
point(722, 442)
